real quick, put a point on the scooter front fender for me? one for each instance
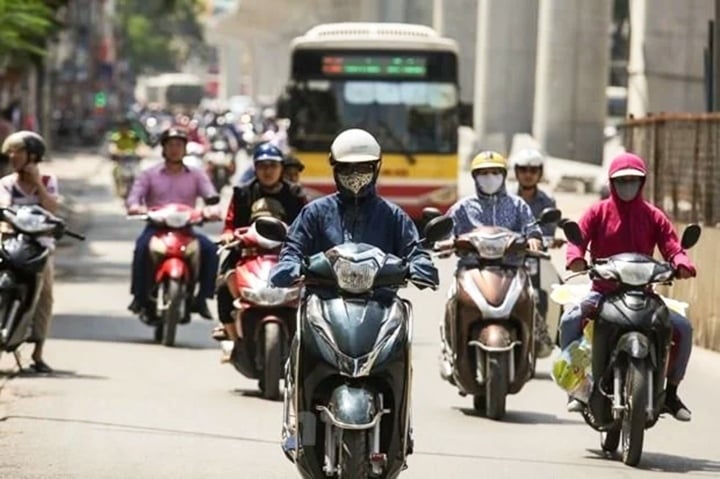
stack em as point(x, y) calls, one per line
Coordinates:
point(173, 268)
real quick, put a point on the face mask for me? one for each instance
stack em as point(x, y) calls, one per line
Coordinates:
point(354, 182)
point(489, 184)
point(627, 190)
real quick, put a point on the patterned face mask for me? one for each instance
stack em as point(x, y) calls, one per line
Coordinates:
point(354, 182)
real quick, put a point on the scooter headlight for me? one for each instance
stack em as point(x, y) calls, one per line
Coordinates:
point(177, 219)
point(355, 277)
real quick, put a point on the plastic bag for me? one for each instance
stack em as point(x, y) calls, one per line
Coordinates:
point(572, 369)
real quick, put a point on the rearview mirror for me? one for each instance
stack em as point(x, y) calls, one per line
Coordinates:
point(429, 213)
point(690, 235)
point(438, 228)
point(549, 216)
point(572, 232)
point(271, 228)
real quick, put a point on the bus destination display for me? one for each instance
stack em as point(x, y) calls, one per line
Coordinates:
point(374, 66)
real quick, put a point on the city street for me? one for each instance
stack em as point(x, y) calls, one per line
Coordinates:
point(120, 406)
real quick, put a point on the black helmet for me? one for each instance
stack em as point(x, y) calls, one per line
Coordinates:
point(30, 141)
point(173, 132)
point(294, 162)
point(267, 207)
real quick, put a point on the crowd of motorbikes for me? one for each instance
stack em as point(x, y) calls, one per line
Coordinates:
point(345, 358)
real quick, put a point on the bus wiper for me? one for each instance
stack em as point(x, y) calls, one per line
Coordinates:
point(403, 149)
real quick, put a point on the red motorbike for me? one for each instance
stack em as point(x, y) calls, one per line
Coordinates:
point(264, 316)
point(174, 265)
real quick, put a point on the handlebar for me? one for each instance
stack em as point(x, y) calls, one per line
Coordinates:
point(72, 234)
point(227, 246)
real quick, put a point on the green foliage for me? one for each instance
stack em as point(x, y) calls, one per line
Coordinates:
point(159, 34)
point(24, 24)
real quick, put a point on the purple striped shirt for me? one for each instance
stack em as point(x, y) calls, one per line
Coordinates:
point(156, 187)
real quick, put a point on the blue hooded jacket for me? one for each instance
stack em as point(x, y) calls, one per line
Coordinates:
point(332, 220)
point(500, 209)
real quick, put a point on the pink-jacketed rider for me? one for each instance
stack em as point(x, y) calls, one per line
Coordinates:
point(626, 223)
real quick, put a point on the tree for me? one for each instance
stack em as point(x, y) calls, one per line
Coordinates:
point(159, 35)
point(24, 26)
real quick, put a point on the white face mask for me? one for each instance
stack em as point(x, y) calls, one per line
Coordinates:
point(489, 184)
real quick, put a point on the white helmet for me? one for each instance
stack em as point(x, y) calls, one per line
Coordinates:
point(528, 157)
point(354, 146)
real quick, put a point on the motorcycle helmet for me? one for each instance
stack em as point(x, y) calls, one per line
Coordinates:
point(293, 162)
point(267, 152)
point(355, 157)
point(529, 157)
point(173, 132)
point(488, 159)
point(267, 207)
point(30, 141)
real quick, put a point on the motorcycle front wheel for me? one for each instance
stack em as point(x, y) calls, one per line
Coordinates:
point(272, 360)
point(354, 455)
point(634, 419)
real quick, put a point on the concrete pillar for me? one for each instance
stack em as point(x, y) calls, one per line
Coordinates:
point(393, 11)
point(572, 73)
point(504, 70)
point(459, 19)
point(665, 67)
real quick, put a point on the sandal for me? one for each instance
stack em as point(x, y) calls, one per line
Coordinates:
point(41, 366)
point(219, 334)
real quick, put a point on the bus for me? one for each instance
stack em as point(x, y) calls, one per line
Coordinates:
point(399, 82)
point(171, 91)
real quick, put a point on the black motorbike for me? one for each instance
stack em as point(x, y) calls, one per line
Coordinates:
point(631, 342)
point(22, 261)
point(348, 381)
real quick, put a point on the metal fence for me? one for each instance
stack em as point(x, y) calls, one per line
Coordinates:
point(682, 152)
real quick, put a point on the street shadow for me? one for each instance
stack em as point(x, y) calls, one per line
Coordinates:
point(254, 393)
point(27, 372)
point(660, 462)
point(523, 417)
point(543, 376)
point(84, 271)
point(125, 329)
point(140, 429)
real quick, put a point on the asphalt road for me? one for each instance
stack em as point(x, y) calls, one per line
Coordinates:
point(120, 406)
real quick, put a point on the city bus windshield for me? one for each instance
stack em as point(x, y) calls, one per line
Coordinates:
point(405, 116)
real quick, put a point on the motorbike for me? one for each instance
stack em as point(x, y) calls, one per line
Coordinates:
point(23, 257)
point(220, 163)
point(264, 315)
point(488, 333)
point(174, 265)
point(347, 397)
point(127, 165)
point(631, 342)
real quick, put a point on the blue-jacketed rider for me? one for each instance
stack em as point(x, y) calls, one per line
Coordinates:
point(493, 206)
point(354, 214)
